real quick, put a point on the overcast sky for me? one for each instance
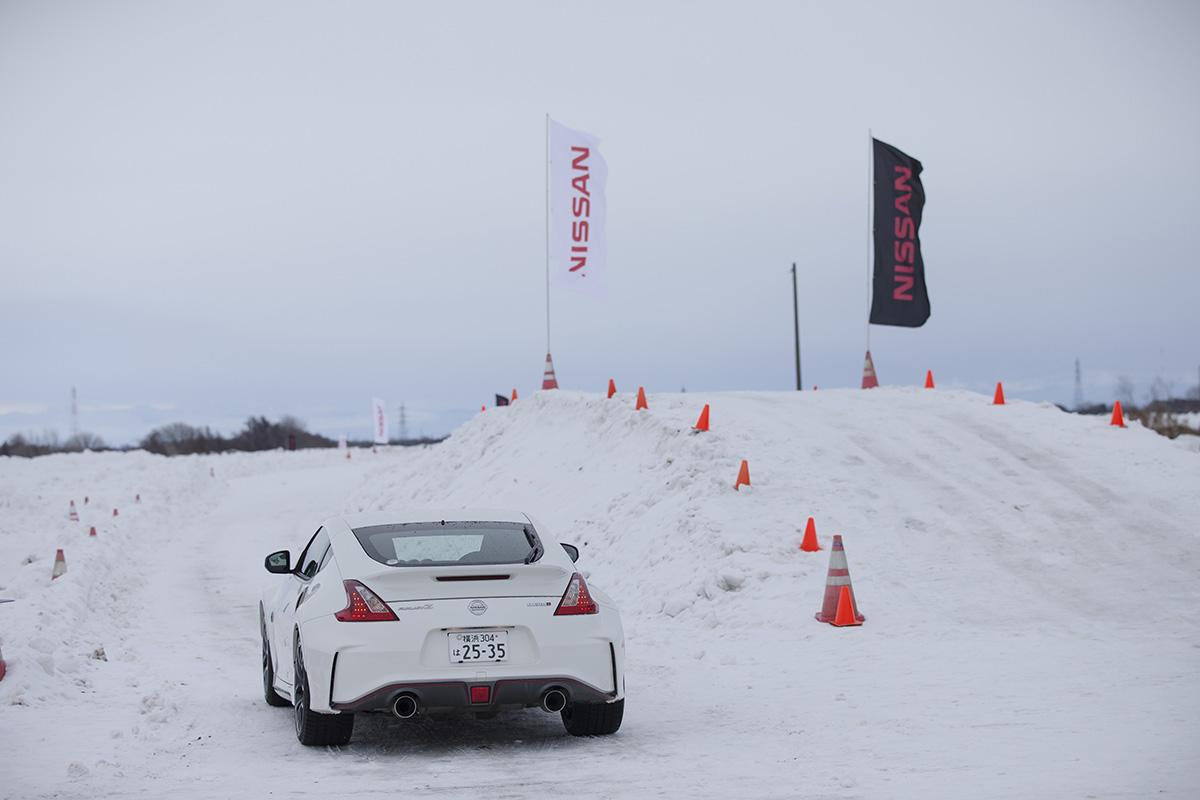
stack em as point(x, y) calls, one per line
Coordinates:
point(210, 210)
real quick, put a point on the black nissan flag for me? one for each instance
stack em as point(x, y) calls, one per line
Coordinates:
point(501, 400)
point(899, 296)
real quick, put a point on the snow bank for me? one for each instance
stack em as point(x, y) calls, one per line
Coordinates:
point(996, 515)
point(1029, 579)
point(56, 627)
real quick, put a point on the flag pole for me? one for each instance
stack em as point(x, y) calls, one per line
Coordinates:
point(547, 234)
point(796, 326)
point(870, 230)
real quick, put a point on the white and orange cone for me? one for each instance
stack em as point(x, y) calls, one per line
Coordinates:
point(60, 565)
point(839, 576)
point(72, 514)
point(869, 380)
point(548, 379)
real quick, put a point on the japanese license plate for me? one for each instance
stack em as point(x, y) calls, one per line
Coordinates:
point(474, 646)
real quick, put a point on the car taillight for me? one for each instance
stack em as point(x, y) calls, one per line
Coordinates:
point(575, 599)
point(363, 605)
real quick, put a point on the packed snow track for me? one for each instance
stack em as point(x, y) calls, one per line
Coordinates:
point(1029, 577)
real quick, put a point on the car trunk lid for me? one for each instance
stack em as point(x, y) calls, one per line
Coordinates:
point(408, 584)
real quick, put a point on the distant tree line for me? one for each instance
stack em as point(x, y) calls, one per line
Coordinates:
point(28, 445)
point(179, 438)
point(1161, 412)
point(258, 433)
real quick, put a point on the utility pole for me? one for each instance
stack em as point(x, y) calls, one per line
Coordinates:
point(74, 413)
point(796, 326)
point(403, 425)
point(1078, 385)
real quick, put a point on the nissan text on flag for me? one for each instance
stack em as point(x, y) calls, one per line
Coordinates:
point(408, 613)
point(899, 296)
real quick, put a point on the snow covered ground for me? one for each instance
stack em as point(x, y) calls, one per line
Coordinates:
point(1029, 577)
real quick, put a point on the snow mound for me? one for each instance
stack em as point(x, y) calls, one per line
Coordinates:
point(1000, 517)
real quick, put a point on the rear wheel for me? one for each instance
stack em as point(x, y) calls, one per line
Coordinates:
point(268, 670)
point(312, 728)
point(593, 719)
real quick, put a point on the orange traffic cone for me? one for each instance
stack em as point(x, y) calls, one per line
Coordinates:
point(847, 614)
point(92, 532)
point(928, 379)
point(998, 399)
point(514, 396)
point(1118, 417)
point(641, 400)
point(869, 380)
point(837, 579)
point(482, 409)
point(612, 388)
point(702, 423)
point(115, 513)
point(72, 514)
point(743, 478)
point(810, 545)
point(60, 565)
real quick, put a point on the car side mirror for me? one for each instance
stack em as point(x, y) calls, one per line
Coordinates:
point(279, 562)
point(572, 551)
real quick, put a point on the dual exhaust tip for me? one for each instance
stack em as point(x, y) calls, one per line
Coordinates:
point(554, 700)
point(406, 706)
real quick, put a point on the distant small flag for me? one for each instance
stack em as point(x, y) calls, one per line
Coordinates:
point(379, 421)
point(501, 400)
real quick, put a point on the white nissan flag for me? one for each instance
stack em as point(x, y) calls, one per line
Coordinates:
point(379, 421)
point(578, 175)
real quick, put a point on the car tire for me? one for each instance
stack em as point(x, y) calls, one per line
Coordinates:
point(272, 697)
point(593, 719)
point(313, 728)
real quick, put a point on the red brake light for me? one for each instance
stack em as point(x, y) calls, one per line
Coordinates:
point(363, 605)
point(576, 599)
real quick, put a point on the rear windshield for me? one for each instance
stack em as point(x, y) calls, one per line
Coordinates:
point(439, 544)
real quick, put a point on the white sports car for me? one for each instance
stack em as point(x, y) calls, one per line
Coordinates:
point(478, 610)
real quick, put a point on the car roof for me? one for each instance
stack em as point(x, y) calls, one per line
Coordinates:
point(369, 518)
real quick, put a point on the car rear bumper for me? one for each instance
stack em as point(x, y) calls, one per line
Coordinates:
point(365, 666)
point(502, 693)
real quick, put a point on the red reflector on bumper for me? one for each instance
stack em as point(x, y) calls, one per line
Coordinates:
point(481, 694)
